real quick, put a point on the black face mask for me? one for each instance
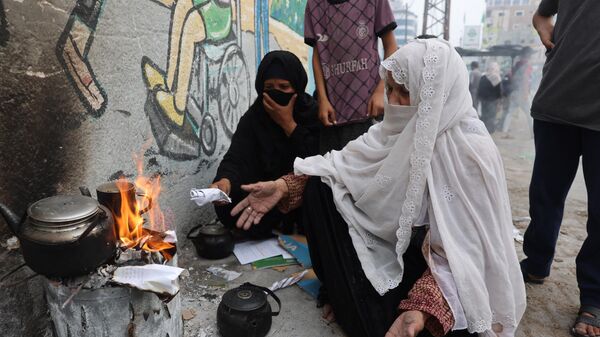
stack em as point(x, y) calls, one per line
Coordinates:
point(280, 97)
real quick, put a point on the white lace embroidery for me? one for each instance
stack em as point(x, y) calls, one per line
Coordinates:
point(369, 239)
point(382, 180)
point(505, 320)
point(479, 326)
point(448, 193)
point(399, 74)
point(484, 324)
point(420, 157)
point(475, 128)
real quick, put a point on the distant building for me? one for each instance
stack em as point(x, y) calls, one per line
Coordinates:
point(509, 22)
point(406, 20)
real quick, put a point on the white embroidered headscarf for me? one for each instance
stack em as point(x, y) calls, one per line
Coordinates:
point(440, 160)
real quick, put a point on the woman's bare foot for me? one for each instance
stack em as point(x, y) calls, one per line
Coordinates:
point(328, 314)
point(585, 329)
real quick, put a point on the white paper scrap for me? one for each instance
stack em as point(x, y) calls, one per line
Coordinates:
point(286, 282)
point(156, 278)
point(250, 251)
point(205, 196)
point(223, 273)
point(517, 235)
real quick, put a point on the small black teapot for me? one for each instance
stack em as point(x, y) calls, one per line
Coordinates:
point(245, 312)
point(212, 241)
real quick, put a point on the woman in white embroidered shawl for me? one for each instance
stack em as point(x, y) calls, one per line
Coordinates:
point(429, 164)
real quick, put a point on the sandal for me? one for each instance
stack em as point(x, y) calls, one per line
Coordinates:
point(593, 321)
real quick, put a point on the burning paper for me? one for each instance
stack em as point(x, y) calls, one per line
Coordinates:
point(160, 279)
point(207, 195)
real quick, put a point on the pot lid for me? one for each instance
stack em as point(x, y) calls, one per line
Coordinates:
point(213, 229)
point(244, 298)
point(63, 208)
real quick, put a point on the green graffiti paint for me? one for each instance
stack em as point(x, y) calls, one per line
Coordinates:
point(290, 13)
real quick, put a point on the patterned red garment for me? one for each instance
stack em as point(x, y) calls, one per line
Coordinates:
point(427, 297)
point(295, 186)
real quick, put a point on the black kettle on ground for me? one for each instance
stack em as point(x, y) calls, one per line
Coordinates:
point(64, 235)
point(212, 241)
point(245, 311)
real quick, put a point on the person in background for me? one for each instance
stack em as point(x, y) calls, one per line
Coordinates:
point(489, 93)
point(281, 125)
point(474, 77)
point(521, 81)
point(566, 113)
point(507, 88)
point(343, 34)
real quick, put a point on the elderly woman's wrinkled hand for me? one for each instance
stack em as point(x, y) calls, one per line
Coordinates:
point(408, 324)
point(263, 197)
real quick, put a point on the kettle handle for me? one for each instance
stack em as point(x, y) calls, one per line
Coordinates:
point(194, 229)
point(269, 292)
point(85, 191)
point(197, 227)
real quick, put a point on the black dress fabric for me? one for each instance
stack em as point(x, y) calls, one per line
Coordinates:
point(487, 91)
point(358, 308)
point(261, 151)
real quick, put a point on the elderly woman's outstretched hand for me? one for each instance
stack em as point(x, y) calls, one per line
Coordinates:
point(263, 197)
point(408, 324)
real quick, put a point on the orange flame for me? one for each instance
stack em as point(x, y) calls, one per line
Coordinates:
point(130, 223)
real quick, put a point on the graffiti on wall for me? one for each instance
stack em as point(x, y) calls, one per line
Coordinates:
point(4, 34)
point(195, 100)
point(72, 52)
point(290, 13)
point(205, 87)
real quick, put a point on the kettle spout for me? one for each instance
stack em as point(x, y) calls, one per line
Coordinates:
point(11, 218)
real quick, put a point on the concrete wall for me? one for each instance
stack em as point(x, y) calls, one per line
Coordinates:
point(79, 97)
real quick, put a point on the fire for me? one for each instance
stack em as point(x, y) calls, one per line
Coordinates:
point(133, 230)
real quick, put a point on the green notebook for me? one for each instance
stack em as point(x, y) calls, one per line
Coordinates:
point(275, 261)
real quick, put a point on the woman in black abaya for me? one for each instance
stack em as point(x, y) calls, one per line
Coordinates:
point(280, 125)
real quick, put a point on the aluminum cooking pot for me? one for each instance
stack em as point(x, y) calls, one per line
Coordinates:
point(65, 235)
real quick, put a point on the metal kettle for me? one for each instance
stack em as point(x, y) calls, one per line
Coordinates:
point(212, 241)
point(64, 235)
point(245, 311)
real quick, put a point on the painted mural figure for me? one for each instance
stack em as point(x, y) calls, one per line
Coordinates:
point(192, 22)
point(72, 52)
point(261, 29)
point(205, 80)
